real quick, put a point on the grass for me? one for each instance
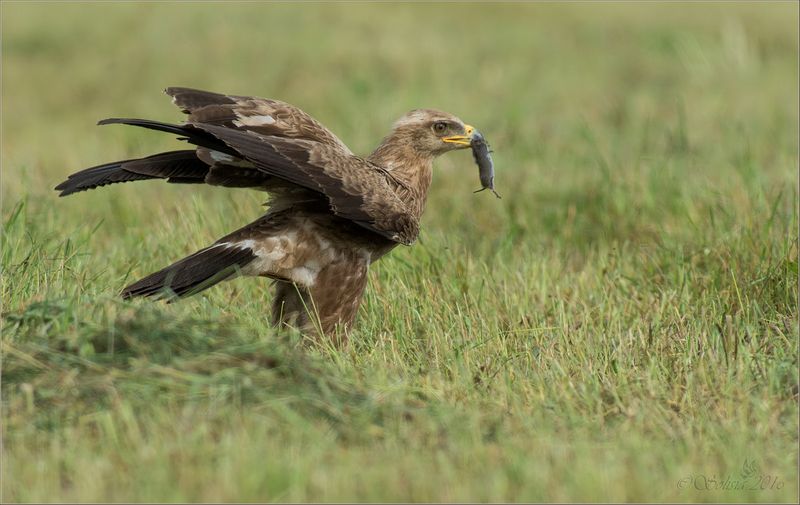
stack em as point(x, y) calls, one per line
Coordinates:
point(621, 326)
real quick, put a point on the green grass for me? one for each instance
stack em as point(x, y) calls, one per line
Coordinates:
point(623, 319)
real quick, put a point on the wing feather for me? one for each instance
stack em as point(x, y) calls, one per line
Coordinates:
point(355, 189)
point(261, 115)
point(286, 147)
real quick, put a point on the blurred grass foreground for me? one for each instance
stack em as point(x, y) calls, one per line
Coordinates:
point(621, 326)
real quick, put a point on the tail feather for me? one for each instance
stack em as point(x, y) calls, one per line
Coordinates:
point(175, 166)
point(192, 274)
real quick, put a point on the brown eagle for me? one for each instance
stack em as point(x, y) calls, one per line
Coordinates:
point(331, 213)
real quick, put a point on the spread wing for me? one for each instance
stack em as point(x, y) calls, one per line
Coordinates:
point(355, 189)
point(264, 144)
point(261, 115)
point(282, 141)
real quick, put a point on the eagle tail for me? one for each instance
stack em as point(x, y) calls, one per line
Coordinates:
point(192, 274)
point(174, 166)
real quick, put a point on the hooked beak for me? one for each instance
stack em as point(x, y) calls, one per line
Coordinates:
point(462, 140)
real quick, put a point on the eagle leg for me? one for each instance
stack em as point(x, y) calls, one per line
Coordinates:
point(329, 306)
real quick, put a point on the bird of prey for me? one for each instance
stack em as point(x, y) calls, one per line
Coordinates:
point(331, 213)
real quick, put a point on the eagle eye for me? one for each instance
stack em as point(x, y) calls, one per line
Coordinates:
point(439, 127)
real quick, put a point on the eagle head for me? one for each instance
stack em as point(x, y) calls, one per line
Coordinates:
point(432, 132)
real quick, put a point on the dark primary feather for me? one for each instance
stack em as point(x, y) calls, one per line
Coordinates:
point(101, 175)
point(192, 274)
point(175, 166)
point(186, 132)
point(231, 176)
point(170, 165)
point(189, 99)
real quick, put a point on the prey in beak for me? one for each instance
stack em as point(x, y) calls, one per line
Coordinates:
point(462, 140)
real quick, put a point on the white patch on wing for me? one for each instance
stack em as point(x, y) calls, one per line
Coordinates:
point(218, 156)
point(212, 157)
point(259, 120)
point(244, 244)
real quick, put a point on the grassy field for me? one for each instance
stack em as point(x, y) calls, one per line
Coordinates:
point(622, 325)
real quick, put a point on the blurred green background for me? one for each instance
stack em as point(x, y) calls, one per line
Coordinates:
point(624, 318)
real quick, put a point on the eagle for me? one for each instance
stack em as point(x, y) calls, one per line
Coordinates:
point(330, 212)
